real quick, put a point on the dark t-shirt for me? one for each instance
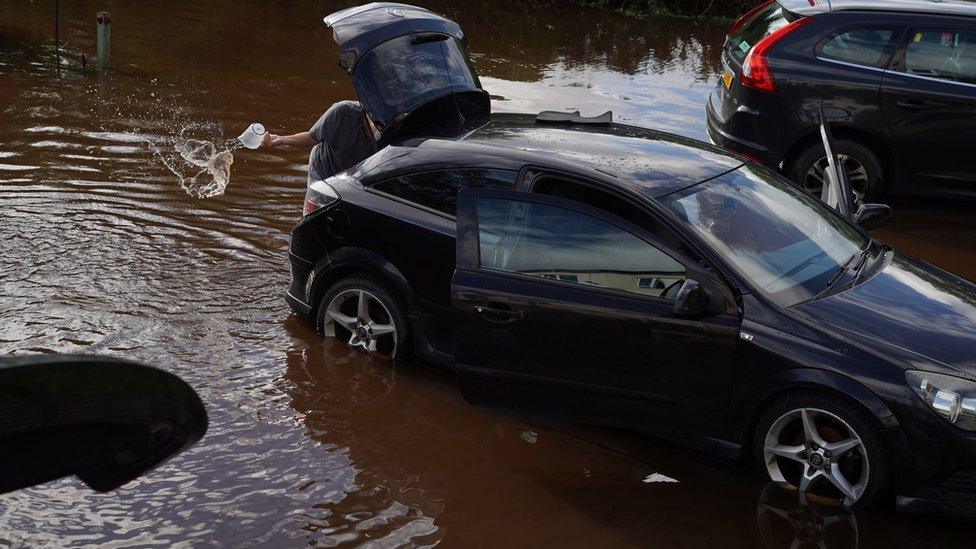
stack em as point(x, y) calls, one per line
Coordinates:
point(343, 142)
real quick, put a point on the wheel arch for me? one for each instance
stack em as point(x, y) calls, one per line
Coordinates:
point(342, 262)
point(846, 389)
point(797, 380)
point(882, 148)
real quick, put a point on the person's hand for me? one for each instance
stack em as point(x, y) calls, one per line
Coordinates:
point(269, 140)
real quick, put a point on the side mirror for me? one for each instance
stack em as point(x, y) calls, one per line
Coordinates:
point(106, 420)
point(873, 216)
point(697, 299)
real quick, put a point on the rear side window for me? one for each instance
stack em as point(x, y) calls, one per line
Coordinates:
point(947, 54)
point(765, 22)
point(862, 46)
point(439, 190)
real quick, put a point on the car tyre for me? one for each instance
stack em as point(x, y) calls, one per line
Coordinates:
point(863, 167)
point(379, 328)
point(785, 453)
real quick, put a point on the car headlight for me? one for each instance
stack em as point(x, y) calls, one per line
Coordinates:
point(953, 398)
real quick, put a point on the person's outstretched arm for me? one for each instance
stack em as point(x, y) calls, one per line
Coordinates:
point(303, 139)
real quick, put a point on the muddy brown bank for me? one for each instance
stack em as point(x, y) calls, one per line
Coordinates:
point(102, 251)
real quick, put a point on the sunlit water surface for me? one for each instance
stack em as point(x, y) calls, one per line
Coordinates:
point(104, 251)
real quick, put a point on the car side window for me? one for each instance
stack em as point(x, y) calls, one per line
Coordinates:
point(439, 190)
point(860, 45)
point(601, 200)
point(568, 246)
point(944, 53)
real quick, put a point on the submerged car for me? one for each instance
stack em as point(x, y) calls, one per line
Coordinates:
point(583, 270)
point(897, 78)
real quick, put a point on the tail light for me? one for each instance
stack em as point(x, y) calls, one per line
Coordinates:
point(755, 69)
point(751, 156)
point(319, 195)
point(749, 15)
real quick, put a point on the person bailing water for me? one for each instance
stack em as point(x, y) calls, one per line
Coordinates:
point(341, 138)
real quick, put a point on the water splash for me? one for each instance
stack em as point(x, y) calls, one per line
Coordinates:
point(202, 165)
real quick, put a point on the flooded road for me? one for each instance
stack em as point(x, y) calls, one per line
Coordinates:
point(102, 251)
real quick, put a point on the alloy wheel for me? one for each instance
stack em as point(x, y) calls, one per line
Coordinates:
point(362, 315)
point(814, 450)
point(857, 173)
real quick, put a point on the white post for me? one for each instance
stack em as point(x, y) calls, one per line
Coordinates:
point(104, 36)
point(57, 36)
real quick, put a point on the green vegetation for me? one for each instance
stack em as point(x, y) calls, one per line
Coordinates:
point(704, 9)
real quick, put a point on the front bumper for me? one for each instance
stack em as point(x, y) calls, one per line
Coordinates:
point(942, 508)
point(945, 463)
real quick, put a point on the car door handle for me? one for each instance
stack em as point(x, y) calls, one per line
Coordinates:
point(497, 314)
point(913, 105)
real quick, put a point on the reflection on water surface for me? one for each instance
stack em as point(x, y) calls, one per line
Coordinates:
point(309, 443)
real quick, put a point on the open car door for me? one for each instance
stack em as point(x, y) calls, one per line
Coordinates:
point(839, 194)
point(567, 312)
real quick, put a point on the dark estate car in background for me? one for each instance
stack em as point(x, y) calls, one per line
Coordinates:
point(896, 78)
point(582, 270)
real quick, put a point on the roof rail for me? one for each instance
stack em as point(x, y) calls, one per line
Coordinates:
point(942, 7)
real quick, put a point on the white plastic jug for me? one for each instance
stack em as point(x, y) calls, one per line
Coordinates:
point(252, 136)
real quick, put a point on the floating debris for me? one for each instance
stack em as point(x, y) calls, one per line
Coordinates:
point(658, 477)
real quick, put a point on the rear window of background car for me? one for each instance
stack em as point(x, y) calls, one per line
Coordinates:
point(947, 54)
point(762, 24)
point(860, 45)
point(439, 190)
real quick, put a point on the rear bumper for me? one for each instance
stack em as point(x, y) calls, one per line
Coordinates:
point(755, 124)
point(298, 306)
point(301, 276)
point(719, 134)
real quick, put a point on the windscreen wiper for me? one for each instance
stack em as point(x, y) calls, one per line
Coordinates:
point(861, 263)
point(861, 268)
point(858, 259)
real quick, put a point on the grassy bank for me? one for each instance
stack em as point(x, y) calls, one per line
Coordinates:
point(700, 9)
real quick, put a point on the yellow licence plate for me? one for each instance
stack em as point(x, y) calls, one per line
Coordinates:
point(727, 79)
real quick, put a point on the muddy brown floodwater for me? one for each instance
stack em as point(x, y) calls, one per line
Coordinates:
point(102, 251)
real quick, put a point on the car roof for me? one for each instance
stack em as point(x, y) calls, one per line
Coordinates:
point(937, 7)
point(651, 162)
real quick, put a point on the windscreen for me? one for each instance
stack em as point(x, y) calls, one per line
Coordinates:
point(763, 23)
point(401, 74)
point(787, 243)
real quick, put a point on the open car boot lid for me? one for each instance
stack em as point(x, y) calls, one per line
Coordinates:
point(410, 69)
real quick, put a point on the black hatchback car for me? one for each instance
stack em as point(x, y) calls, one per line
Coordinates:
point(578, 269)
point(896, 78)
